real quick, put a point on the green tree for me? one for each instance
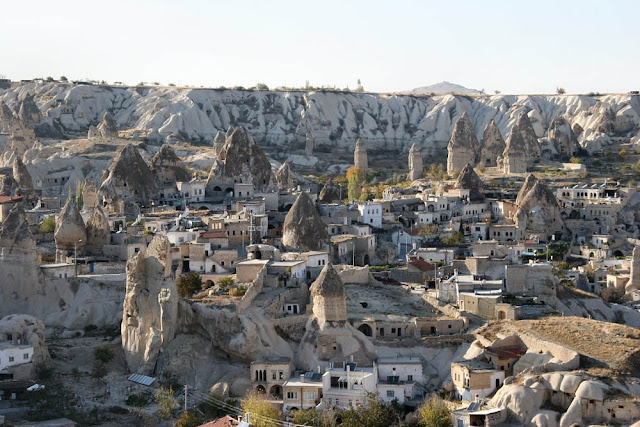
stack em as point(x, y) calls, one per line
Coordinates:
point(560, 91)
point(311, 417)
point(188, 420)
point(79, 196)
point(260, 410)
point(166, 401)
point(225, 283)
point(48, 225)
point(376, 414)
point(435, 413)
point(359, 88)
point(188, 284)
point(262, 86)
point(355, 178)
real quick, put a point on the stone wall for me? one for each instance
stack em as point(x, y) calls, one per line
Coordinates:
point(252, 292)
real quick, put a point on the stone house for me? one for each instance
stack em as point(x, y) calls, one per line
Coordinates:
point(269, 375)
point(303, 391)
point(472, 378)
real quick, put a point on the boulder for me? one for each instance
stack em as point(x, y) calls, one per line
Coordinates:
point(468, 179)
point(463, 145)
point(150, 308)
point(545, 418)
point(167, 167)
point(521, 402)
point(107, 127)
point(492, 146)
point(303, 229)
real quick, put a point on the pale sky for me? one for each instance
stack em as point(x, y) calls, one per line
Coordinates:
point(393, 45)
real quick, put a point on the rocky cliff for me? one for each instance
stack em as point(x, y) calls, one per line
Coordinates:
point(330, 119)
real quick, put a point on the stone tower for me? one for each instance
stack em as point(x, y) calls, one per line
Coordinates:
point(634, 281)
point(516, 156)
point(492, 147)
point(416, 170)
point(329, 297)
point(360, 159)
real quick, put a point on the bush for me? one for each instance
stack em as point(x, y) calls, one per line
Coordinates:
point(188, 284)
point(260, 406)
point(48, 225)
point(103, 354)
point(435, 413)
point(138, 400)
point(188, 420)
point(575, 160)
point(167, 403)
point(225, 283)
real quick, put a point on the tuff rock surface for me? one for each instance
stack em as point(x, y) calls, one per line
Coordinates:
point(529, 136)
point(167, 167)
point(516, 155)
point(283, 177)
point(492, 146)
point(329, 193)
point(31, 332)
point(107, 127)
point(98, 232)
point(14, 231)
point(463, 145)
point(303, 229)
point(468, 179)
point(537, 209)
point(70, 230)
point(561, 134)
point(128, 179)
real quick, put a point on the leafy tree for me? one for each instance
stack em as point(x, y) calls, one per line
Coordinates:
point(166, 401)
point(225, 282)
point(48, 225)
point(497, 92)
point(427, 230)
point(260, 409)
point(376, 414)
point(79, 196)
point(188, 284)
point(435, 413)
point(576, 160)
point(63, 79)
point(560, 91)
point(359, 88)
point(455, 239)
point(262, 86)
point(311, 417)
point(49, 79)
point(355, 178)
point(188, 420)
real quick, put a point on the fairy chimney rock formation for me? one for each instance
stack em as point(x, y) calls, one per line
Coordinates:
point(329, 297)
point(416, 169)
point(70, 233)
point(150, 308)
point(22, 175)
point(303, 229)
point(218, 143)
point(107, 127)
point(241, 161)
point(537, 210)
point(167, 167)
point(329, 194)
point(515, 157)
point(284, 178)
point(98, 231)
point(468, 179)
point(28, 111)
point(129, 179)
point(89, 194)
point(634, 280)
point(463, 145)
point(14, 231)
point(529, 136)
point(492, 147)
point(562, 135)
point(360, 157)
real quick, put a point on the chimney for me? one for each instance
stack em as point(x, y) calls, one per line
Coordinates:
point(301, 378)
point(318, 368)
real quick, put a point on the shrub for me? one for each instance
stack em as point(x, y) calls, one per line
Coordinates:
point(575, 160)
point(225, 282)
point(103, 354)
point(188, 420)
point(435, 413)
point(188, 284)
point(166, 402)
point(48, 225)
point(260, 406)
point(138, 400)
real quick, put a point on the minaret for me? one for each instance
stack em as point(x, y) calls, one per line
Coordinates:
point(360, 159)
point(415, 164)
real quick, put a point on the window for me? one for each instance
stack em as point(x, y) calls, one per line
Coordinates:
point(409, 377)
point(25, 356)
point(273, 375)
point(11, 359)
point(309, 395)
point(281, 375)
point(391, 393)
point(292, 395)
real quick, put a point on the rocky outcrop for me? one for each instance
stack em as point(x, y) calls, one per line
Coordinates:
point(14, 231)
point(516, 155)
point(22, 175)
point(537, 211)
point(463, 145)
point(284, 178)
point(303, 229)
point(107, 128)
point(329, 193)
point(167, 167)
point(416, 169)
point(492, 146)
point(28, 112)
point(89, 194)
point(468, 179)
point(218, 143)
point(529, 136)
point(561, 134)
point(150, 308)
point(241, 161)
point(129, 179)
point(28, 330)
point(70, 234)
point(98, 232)
point(21, 138)
point(634, 280)
point(360, 156)
point(8, 185)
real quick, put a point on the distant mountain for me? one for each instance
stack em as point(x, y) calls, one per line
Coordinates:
point(443, 88)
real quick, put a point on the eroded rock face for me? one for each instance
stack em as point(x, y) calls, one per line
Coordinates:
point(562, 135)
point(416, 169)
point(22, 175)
point(70, 230)
point(360, 156)
point(537, 209)
point(167, 167)
point(329, 194)
point(218, 143)
point(463, 145)
point(492, 146)
point(129, 179)
point(21, 138)
point(98, 233)
point(28, 111)
point(303, 229)
point(284, 178)
point(28, 330)
point(634, 280)
point(89, 194)
point(516, 157)
point(529, 136)
point(107, 127)
point(468, 179)
point(8, 185)
point(14, 231)
point(241, 160)
point(150, 306)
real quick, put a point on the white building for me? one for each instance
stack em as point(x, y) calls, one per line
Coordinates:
point(192, 191)
point(397, 378)
point(14, 354)
point(347, 386)
point(371, 214)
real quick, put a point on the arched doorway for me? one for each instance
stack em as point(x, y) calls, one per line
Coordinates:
point(366, 329)
point(276, 391)
point(502, 315)
point(366, 260)
point(618, 254)
point(260, 389)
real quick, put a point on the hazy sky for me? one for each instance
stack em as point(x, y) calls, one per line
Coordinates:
point(393, 45)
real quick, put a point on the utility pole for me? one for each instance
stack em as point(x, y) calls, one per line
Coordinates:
point(185, 397)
